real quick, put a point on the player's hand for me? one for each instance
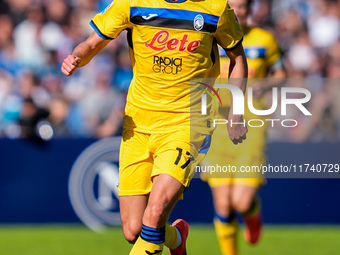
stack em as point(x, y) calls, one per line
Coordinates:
point(70, 64)
point(236, 129)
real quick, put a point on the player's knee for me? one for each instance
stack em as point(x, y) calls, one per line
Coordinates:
point(223, 207)
point(242, 206)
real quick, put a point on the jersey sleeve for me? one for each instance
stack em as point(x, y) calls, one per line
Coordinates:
point(273, 53)
point(229, 33)
point(114, 19)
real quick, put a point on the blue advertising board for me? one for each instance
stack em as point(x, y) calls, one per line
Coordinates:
point(73, 180)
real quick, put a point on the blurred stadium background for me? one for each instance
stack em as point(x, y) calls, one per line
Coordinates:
point(48, 121)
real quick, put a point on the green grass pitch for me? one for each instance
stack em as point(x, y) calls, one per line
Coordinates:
point(78, 240)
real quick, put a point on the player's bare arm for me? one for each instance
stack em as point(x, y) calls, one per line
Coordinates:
point(238, 73)
point(83, 53)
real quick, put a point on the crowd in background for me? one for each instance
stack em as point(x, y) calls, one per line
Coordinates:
point(36, 35)
point(308, 32)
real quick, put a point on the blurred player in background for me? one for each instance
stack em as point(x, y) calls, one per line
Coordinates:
point(240, 194)
point(170, 42)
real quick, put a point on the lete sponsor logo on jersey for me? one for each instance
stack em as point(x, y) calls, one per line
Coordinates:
point(161, 40)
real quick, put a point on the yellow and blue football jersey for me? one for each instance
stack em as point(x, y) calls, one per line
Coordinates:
point(262, 51)
point(172, 42)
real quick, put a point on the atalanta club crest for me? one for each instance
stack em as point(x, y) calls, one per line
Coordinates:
point(198, 22)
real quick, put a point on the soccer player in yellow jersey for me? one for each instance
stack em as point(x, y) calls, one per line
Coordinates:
point(170, 43)
point(239, 194)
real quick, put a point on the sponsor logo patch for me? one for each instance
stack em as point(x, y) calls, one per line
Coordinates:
point(161, 40)
point(198, 22)
point(150, 16)
point(167, 65)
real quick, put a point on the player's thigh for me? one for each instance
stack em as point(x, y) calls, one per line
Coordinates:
point(165, 192)
point(222, 198)
point(131, 212)
point(135, 164)
point(242, 196)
